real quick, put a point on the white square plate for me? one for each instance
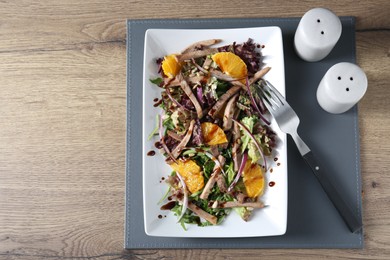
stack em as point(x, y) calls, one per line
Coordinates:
point(270, 221)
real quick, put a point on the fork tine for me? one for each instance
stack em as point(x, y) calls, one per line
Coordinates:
point(267, 103)
point(275, 99)
point(271, 97)
point(274, 90)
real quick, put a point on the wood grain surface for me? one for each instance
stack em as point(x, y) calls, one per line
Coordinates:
point(62, 125)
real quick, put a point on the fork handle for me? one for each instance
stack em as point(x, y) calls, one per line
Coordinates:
point(334, 195)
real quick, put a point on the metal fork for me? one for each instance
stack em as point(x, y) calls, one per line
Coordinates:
point(288, 122)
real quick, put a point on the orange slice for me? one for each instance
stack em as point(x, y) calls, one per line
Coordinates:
point(170, 66)
point(231, 64)
point(191, 173)
point(213, 134)
point(253, 177)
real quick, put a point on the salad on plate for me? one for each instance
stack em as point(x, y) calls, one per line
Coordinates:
point(212, 131)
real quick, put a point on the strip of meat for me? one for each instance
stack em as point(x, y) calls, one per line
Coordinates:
point(213, 178)
point(197, 79)
point(175, 135)
point(241, 197)
point(194, 208)
point(238, 83)
point(258, 75)
point(222, 76)
point(175, 82)
point(201, 44)
point(202, 214)
point(229, 112)
point(222, 100)
point(186, 88)
point(200, 68)
point(210, 184)
point(221, 183)
point(207, 62)
point(171, 82)
point(233, 204)
point(236, 146)
point(176, 152)
point(167, 82)
point(195, 54)
point(214, 151)
point(181, 107)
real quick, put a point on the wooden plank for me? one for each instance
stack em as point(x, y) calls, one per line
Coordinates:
point(47, 25)
point(62, 125)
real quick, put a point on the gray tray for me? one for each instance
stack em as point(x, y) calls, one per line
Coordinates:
point(313, 222)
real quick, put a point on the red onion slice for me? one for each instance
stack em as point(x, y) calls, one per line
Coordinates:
point(254, 140)
point(255, 104)
point(199, 95)
point(175, 101)
point(185, 199)
point(243, 162)
point(199, 67)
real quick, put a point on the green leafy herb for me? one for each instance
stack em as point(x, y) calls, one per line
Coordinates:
point(157, 81)
point(249, 122)
point(253, 152)
point(208, 168)
point(165, 195)
point(230, 173)
point(243, 212)
point(155, 130)
point(195, 195)
point(168, 123)
point(222, 87)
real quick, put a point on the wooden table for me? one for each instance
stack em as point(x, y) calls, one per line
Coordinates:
point(62, 125)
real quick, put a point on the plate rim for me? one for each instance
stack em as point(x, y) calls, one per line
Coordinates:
point(283, 226)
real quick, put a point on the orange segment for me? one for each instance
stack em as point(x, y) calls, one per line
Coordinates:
point(213, 134)
point(253, 177)
point(231, 64)
point(191, 174)
point(170, 66)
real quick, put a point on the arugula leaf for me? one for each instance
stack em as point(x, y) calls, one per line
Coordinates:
point(253, 152)
point(182, 224)
point(230, 173)
point(208, 168)
point(205, 224)
point(201, 159)
point(217, 87)
point(249, 122)
point(222, 87)
point(227, 153)
point(188, 217)
point(157, 81)
point(176, 209)
point(165, 196)
point(195, 195)
point(168, 123)
point(155, 130)
point(243, 212)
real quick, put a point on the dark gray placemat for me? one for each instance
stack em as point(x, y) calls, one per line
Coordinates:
point(313, 222)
